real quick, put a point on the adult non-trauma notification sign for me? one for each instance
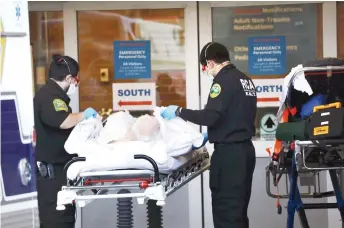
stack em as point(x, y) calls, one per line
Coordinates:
point(132, 59)
point(267, 55)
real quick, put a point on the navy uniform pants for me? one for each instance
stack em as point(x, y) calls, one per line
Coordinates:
point(231, 172)
point(47, 190)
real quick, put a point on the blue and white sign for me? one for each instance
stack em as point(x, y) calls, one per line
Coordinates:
point(134, 96)
point(269, 91)
point(132, 59)
point(267, 55)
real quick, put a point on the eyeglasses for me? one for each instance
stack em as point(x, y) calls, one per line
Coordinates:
point(204, 67)
point(77, 80)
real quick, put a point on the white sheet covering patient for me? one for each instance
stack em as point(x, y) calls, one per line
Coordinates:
point(123, 122)
point(122, 132)
point(146, 128)
point(168, 142)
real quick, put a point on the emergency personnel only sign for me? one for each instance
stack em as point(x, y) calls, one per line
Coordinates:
point(134, 96)
point(268, 91)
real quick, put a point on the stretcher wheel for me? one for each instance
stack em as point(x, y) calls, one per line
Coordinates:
point(279, 209)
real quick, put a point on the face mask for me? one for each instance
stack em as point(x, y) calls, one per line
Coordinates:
point(210, 73)
point(71, 89)
point(210, 77)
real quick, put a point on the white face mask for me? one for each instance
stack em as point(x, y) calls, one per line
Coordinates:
point(71, 89)
point(210, 77)
point(210, 73)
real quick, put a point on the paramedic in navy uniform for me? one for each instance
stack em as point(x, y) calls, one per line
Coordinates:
point(230, 117)
point(54, 122)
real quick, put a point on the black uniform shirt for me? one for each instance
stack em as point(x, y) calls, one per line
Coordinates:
point(231, 108)
point(51, 108)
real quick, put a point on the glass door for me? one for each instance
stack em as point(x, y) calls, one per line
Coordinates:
point(108, 86)
point(233, 26)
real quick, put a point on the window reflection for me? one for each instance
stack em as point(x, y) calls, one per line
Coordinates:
point(232, 26)
point(46, 38)
point(299, 23)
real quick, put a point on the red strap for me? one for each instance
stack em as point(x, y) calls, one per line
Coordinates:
point(293, 111)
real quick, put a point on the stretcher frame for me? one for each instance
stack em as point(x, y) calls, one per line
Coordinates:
point(153, 186)
point(298, 165)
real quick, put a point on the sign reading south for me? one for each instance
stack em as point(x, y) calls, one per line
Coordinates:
point(267, 55)
point(134, 96)
point(132, 59)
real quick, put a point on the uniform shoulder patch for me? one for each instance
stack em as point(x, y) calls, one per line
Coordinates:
point(60, 105)
point(215, 90)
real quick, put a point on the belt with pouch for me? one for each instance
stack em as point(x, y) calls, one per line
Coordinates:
point(47, 170)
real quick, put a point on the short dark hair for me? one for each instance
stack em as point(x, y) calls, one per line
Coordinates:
point(61, 66)
point(214, 51)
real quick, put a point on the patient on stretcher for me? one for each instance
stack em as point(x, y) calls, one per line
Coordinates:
point(177, 136)
point(121, 127)
point(170, 143)
point(146, 128)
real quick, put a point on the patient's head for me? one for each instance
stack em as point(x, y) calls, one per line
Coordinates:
point(146, 128)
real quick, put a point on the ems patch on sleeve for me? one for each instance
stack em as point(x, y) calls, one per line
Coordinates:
point(215, 90)
point(60, 105)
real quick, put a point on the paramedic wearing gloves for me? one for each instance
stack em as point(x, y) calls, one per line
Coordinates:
point(230, 116)
point(54, 122)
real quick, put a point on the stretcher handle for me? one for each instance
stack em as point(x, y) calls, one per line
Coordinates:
point(150, 160)
point(332, 105)
point(76, 159)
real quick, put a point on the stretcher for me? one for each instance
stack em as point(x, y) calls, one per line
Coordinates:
point(148, 186)
point(127, 176)
point(297, 156)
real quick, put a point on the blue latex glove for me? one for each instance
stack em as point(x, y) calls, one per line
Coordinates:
point(170, 112)
point(205, 140)
point(90, 112)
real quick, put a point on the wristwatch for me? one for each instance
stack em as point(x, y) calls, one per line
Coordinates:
point(178, 110)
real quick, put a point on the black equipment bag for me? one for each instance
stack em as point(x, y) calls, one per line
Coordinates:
point(326, 124)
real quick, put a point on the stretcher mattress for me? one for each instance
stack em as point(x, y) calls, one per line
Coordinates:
point(118, 161)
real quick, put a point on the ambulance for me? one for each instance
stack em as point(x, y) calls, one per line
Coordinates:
point(17, 156)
